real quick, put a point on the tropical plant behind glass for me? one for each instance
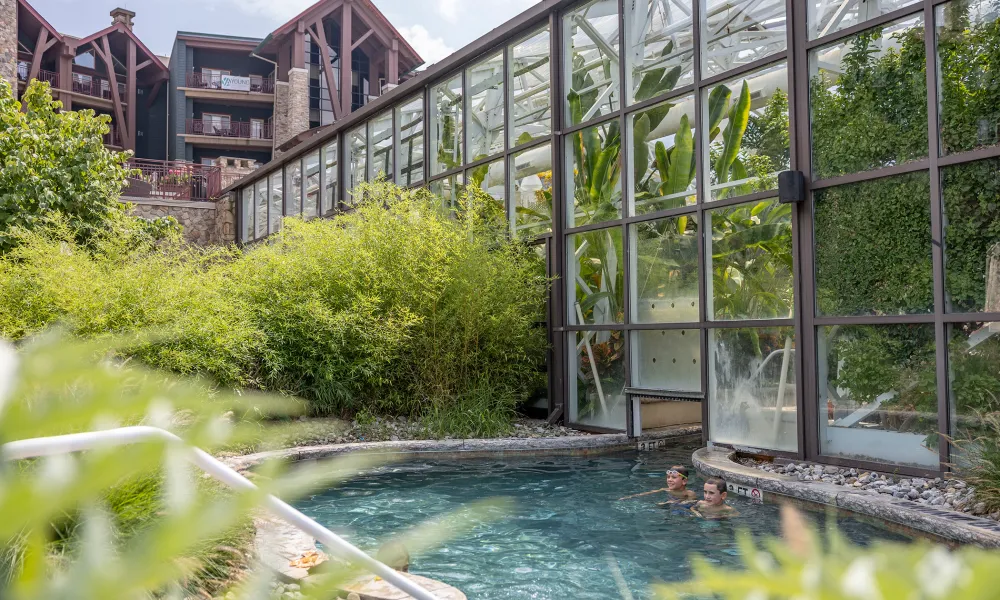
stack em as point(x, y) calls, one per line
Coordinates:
point(668, 171)
point(752, 261)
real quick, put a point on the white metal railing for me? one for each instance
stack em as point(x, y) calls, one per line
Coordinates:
point(78, 442)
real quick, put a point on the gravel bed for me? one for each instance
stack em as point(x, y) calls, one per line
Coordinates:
point(401, 429)
point(948, 494)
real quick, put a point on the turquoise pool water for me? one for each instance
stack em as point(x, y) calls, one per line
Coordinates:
point(565, 532)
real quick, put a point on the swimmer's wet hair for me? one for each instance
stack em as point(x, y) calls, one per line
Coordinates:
point(680, 469)
point(718, 482)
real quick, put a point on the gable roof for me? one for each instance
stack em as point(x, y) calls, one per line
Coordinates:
point(41, 20)
point(325, 7)
point(121, 28)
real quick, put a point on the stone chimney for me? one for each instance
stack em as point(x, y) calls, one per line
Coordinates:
point(121, 15)
point(8, 42)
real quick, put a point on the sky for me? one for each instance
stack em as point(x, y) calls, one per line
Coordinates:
point(435, 28)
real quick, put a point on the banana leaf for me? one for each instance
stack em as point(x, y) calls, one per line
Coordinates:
point(718, 101)
point(680, 159)
point(640, 151)
point(732, 137)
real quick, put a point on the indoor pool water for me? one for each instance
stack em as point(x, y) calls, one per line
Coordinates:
point(567, 528)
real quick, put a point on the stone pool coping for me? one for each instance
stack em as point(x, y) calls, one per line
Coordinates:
point(472, 448)
point(949, 525)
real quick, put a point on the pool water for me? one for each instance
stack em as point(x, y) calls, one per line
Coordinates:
point(567, 530)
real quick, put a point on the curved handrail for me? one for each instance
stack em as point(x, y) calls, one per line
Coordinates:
point(77, 442)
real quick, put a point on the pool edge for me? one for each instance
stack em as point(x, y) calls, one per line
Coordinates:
point(948, 525)
point(471, 448)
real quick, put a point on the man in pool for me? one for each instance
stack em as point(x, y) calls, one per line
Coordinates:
point(714, 506)
point(677, 478)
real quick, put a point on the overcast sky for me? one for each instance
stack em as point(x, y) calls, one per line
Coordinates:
point(435, 28)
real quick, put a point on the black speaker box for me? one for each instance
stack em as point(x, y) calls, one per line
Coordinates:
point(791, 187)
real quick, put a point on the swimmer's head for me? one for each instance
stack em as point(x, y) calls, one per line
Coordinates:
point(677, 478)
point(715, 491)
point(395, 556)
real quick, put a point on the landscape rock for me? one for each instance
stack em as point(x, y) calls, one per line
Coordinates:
point(950, 494)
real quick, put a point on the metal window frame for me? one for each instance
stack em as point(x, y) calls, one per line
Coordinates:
point(805, 319)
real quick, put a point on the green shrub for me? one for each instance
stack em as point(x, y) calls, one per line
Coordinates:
point(395, 308)
point(56, 162)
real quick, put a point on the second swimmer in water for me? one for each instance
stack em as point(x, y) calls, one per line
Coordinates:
point(677, 480)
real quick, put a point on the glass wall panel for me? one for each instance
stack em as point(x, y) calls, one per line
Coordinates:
point(446, 126)
point(380, 144)
point(246, 210)
point(664, 272)
point(660, 43)
point(260, 212)
point(873, 247)
point(590, 55)
point(595, 265)
point(489, 178)
point(830, 16)
point(663, 156)
point(331, 189)
point(531, 198)
point(485, 113)
point(868, 100)
point(310, 205)
point(450, 190)
point(276, 185)
point(878, 393)
point(530, 88)
point(752, 388)
point(751, 253)
point(410, 155)
point(593, 175)
point(667, 360)
point(293, 192)
point(357, 169)
point(974, 372)
point(968, 46)
point(971, 195)
point(737, 33)
point(748, 133)
point(597, 376)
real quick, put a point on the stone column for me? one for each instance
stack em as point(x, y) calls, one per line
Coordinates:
point(291, 107)
point(8, 42)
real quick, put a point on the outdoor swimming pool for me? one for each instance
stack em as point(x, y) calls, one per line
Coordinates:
point(566, 530)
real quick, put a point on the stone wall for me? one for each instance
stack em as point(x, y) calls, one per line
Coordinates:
point(225, 219)
point(201, 220)
point(8, 42)
point(291, 107)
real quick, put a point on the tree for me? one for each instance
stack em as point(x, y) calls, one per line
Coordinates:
point(54, 161)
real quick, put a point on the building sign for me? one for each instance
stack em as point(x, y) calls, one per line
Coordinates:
point(756, 495)
point(236, 83)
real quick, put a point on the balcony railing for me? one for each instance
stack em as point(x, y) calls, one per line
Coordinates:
point(97, 87)
point(249, 130)
point(214, 81)
point(113, 137)
point(173, 180)
point(24, 69)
